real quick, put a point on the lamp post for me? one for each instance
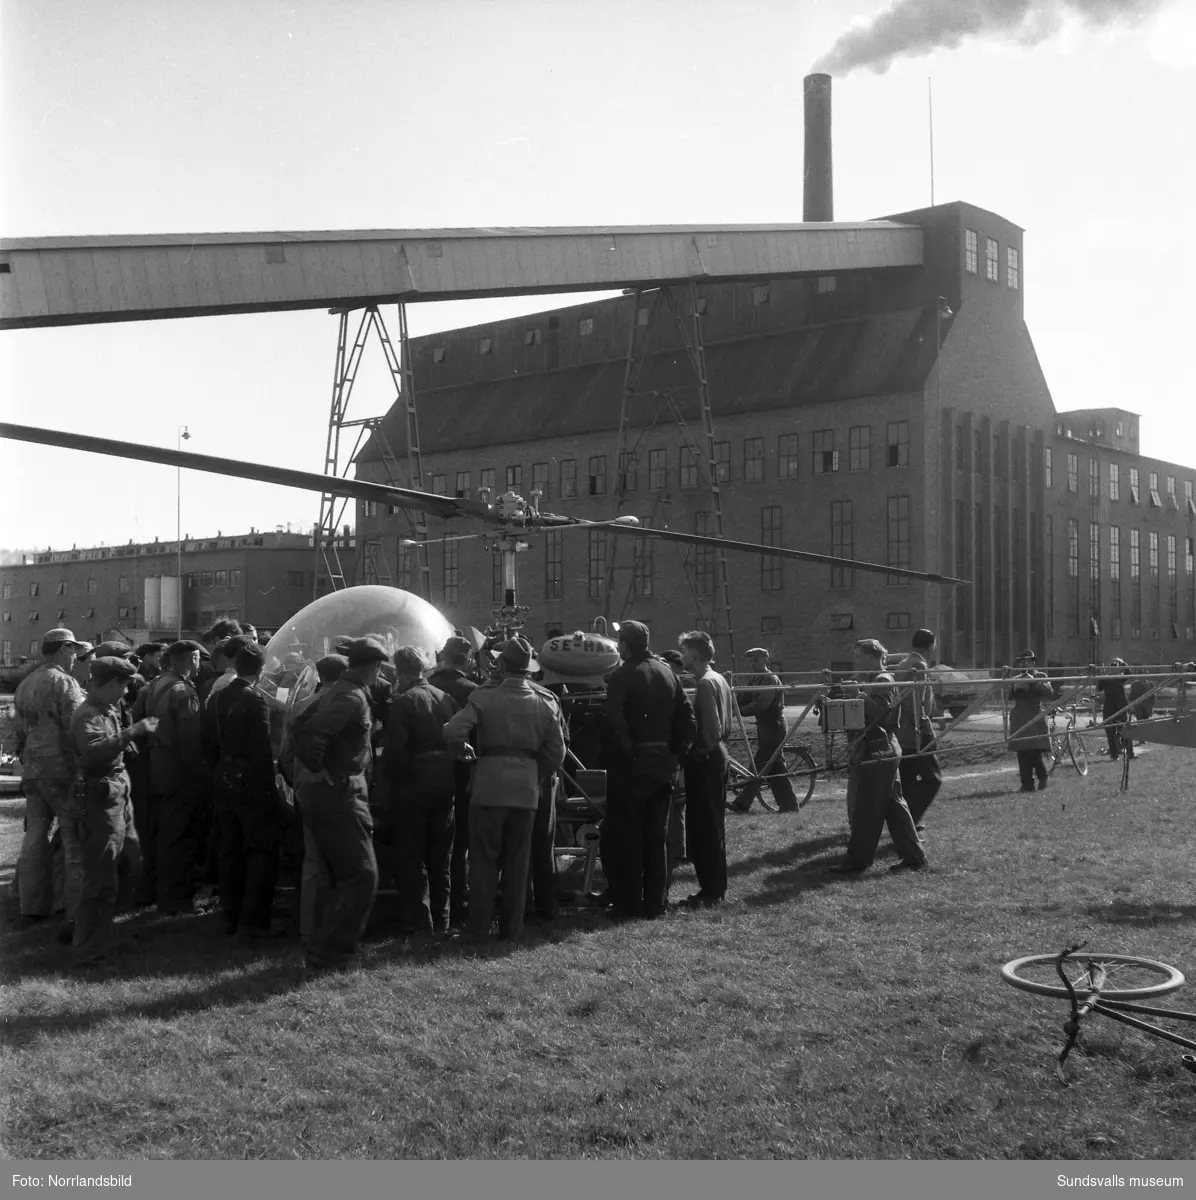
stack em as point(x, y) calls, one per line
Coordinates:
point(183, 435)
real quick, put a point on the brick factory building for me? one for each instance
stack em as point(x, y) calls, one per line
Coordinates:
point(129, 591)
point(900, 417)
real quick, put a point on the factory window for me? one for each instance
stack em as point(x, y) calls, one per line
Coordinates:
point(496, 577)
point(598, 475)
point(1094, 478)
point(826, 284)
point(34, 615)
point(1012, 269)
point(1073, 549)
point(722, 461)
point(597, 574)
point(205, 578)
point(123, 583)
point(641, 577)
point(33, 589)
point(61, 615)
point(8, 616)
point(540, 479)
point(234, 577)
point(7, 653)
point(1189, 502)
point(760, 295)
point(825, 456)
point(514, 478)
point(35, 647)
point(753, 459)
point(123, 613)
point(1190, 573)
point(770, 624)
point(439, 485)
point(1154, 585)
point(991, 265)
point(461, 484)
point(532, 337)
point(898, 443)
point(8, 591)
point(703, 556)
point(60, 590)
point(222, 579)
point(1155, 502)
point(643, 315)
point(484, 345)
point(701, 306)
point(688, 469)
point(568, 478)
point(1172, 586)
point(859, 448)
point(1115, 579)
point(451, 577)
point(438, 354)
point(787, 456)
point(971, 251)
point(898, 537)
point(403, 557)
point(1171, 492)
point(1133, 485)
point(897, 621)
point(627, 471)
point(771, 576)
point(658, 469)
point(295, 579)
point(1114, 481)
point(1048, 457)
point(585, 327)
point(192, 581)
point(1073, 473)
point(842, 543)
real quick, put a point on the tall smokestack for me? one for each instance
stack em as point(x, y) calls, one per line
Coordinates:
point(818, 200)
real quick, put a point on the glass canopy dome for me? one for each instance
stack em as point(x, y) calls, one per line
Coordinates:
point(395, 617)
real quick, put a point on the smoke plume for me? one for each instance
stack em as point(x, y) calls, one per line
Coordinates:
point(908, 28)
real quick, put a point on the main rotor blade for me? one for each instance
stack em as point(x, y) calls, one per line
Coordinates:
point(359, 489)
point(697, 539)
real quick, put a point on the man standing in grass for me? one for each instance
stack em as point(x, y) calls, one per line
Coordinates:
point(921, 776)
point(1029, 736)
point(706, 767)
point(102, 810)
point(766, 702)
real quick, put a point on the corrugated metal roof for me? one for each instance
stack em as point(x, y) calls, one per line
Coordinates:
point(65, 281)
point(879, 354)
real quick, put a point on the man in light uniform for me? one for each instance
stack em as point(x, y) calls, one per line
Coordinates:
point(45, 704)
point(514, 730)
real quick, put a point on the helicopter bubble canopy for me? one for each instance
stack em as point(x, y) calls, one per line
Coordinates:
point(395, 617)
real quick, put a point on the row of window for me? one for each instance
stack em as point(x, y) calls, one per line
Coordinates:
point(1155, 500)
point(992, 260)
point(229, 578)
point(60, 616)
point(690, 471)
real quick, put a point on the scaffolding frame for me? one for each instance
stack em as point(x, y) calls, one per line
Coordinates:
point(369, 563)
point(687, 319)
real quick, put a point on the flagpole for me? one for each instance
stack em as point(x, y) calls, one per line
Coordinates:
point(930, 119)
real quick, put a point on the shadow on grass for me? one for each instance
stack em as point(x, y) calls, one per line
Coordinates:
point(1122, 912)
point(788, 856)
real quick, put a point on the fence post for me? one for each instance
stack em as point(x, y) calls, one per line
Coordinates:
point(1005, 703)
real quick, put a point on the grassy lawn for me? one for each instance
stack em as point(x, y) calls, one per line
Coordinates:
point(813, 1016)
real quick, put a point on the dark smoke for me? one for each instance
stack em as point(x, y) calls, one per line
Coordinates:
point(909, 28)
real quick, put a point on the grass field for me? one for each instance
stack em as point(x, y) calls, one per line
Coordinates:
point(813, 1016)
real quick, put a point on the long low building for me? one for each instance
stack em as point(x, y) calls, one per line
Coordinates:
point(900, 417)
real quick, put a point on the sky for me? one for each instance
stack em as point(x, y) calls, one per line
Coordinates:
point(134, 116)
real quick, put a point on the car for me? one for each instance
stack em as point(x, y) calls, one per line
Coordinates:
point(955, 689)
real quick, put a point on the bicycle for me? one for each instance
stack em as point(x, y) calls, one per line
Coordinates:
point(1088, 992)
point(793, 762)
point(1067, 742)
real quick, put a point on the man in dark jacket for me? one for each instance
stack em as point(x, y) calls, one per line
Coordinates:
point(179, 774)
point(766, 702)
point(419, 782)
point(245, 801)
point(652, 726)
point(332, 743)
point(919, 770)
point(452, 678)
point(1115, 705)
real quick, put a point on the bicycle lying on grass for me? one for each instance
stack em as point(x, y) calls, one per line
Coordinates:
point(1066, 743)
point(1088, 983)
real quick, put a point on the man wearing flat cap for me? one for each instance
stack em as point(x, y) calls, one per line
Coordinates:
point(652, 727)
point(514, 730)
point(332, 744)
point(1115, 705)
point(766, 702)
point(45, 704)
point(1028, 733)
point(103, 809)
point(179, 775)
point(919, 770)
point(452, 677)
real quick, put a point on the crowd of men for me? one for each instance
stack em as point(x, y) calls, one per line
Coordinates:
point(161, 769)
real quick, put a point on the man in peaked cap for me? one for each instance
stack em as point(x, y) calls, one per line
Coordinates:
point(1115, 705)
point(514, 731)
point(1029, 737)
point(919, 771)
point(102, 808)
point(45, 703)
point(766, 702)
point(332, 744)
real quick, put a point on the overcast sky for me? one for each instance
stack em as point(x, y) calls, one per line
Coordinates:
point(137, 116)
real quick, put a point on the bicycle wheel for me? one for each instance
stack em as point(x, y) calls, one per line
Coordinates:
point(795, 763)
point(1056, 752)
point(1137, 978)
point(1077, 753)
